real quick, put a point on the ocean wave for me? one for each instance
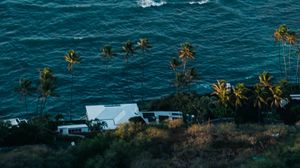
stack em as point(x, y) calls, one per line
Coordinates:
point(150, 3)
point(199, 2)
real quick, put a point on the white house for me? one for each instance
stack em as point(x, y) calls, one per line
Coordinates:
point(295, 96)
point(15, 121)
point(112, 115)
point(72, 129)
point(158, 116)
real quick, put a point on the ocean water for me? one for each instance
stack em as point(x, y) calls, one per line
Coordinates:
point(232, 38)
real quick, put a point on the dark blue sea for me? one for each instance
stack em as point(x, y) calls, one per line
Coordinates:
point(232, 38)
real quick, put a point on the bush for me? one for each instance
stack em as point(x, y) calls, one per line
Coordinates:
point(291, 114)
point(175, 123)
point(128, 131)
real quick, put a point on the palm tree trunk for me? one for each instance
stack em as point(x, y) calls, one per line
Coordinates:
point(37, 104)
point(143, 75)
point(26, 106)
point(71, 94)
point(44, 104)
point(297, 71)
point(284, 60)
point(279, 60)
point(41, 106)
point(289, 59)
point(127, 77)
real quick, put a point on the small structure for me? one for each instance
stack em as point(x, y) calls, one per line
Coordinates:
point(72, 129)
point(112, 115)
point(159, 116)
point(295, 96)
point(15, 121)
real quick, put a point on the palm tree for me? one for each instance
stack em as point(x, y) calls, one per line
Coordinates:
point(186, 52)
point(298, 68)
point(280, 36)
point(190, 75)
point(259, 94)
point(129, 51)
point(71, 58)
point(143, 44)
point(276, 96)
point(47, 86)
point(24, 89)
point(107, 54)
point(107, 51)
point(239, 92)
point(222, 93)
point(265, 79)
point(291, 39)
point(174, 63)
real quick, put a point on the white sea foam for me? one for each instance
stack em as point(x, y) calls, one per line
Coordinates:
point(150, 3)
point(199, 2)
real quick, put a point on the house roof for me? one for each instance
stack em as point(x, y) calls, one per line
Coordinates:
point(13, 121)
point(295, 96)
point(72, 126)
point(119, 113)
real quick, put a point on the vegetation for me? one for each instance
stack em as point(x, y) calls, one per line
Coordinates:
point(288, 50)
point(183, 76)
point(71, 58)
point(24, 89)
point(172, 144)
point(201, 139)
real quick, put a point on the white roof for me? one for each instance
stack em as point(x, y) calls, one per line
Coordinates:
point(13, 121)
point(112, 114)
point(295, 96)
point(72, 126)
point(178, 112)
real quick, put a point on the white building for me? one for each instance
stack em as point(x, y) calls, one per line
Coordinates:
point(295, 96)
point(112, 115)
point(15, 121)
point(72, 129)
point(159, 116)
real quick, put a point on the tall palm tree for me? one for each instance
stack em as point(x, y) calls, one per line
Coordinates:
point(107, 54)
point(238, 93)
point(24, 88)
point(174, 63)
point(222, 93)
point(265, 79)
point(298, 68)
point(128, 49)
point(260, 96)
point(280, 36)
point(47, 86)
point(143, 44)
point(291, 39)
point(190, 75)
point(107, 51)
point(71, 58)
point(186, 52)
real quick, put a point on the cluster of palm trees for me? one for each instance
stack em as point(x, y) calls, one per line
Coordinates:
point(45, 88)
point(289, 50)
point(263, 95)
point(183, 76)
point(129, 48)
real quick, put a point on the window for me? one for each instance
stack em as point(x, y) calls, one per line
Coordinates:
point(74, 130)
point(149, 116)
point(176, 114)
